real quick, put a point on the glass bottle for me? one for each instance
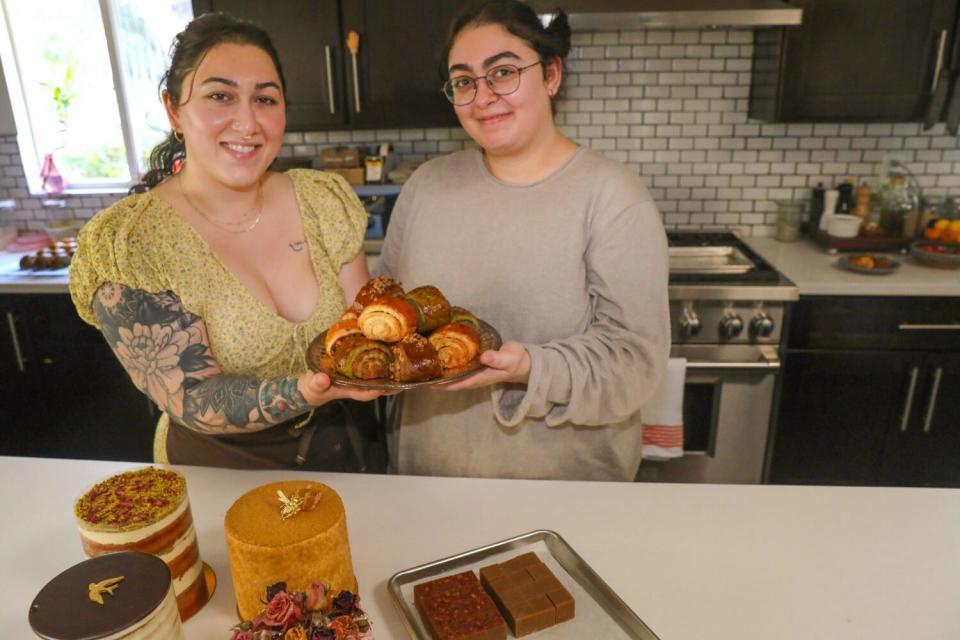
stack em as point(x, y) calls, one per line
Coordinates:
point(898, 203)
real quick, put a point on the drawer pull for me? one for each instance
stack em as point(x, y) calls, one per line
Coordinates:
point(932, 403)
point(905, 419)
point(906, 326)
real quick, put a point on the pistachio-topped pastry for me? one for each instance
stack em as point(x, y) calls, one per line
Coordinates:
point(131, 499)
point(432, 307)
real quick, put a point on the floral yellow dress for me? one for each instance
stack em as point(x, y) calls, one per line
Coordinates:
point(142, 243)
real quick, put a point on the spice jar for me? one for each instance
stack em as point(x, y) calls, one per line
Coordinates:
point(789, 217)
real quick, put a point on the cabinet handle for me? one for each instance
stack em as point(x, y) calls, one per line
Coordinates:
point(326, 53)
point(907, 326)
point(905, 419)
point(938, 65)
point(932, 403)
point(16, 342)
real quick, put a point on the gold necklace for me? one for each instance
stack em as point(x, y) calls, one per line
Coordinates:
point(257, 206)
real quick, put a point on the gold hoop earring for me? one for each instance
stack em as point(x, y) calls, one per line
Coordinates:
point(177, 135)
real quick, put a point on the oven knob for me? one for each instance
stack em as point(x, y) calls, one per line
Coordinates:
point(690, 324)
point(761, 326)
point(730, 326)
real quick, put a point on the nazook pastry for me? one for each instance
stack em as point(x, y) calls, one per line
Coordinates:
point(126, 595)
point(456, 344)
point(415, 359)
point(375, 289)
point(357, 356)
point(433, 309)
point(388, 320)
point(294, 532)
point(146, 510)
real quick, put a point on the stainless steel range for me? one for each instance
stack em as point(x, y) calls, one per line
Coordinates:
point(728, 308)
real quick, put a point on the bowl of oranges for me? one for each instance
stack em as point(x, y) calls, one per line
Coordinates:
point(941, 246)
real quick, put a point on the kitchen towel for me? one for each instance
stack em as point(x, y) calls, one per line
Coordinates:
point(662, 414)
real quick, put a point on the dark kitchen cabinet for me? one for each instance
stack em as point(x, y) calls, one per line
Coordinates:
point(868, 389)
point(66, 396)
point(397, 64)
point(851, 60)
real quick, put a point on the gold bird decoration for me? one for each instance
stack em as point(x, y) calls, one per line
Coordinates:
point(97, 589)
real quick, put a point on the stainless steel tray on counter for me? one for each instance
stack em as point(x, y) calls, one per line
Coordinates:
point(720, 259)
point(600, 613)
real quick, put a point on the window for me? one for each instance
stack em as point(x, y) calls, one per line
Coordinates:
point(83, 77)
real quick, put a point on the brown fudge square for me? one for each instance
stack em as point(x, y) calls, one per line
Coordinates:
point(564, 604)
point(529, 596)
point(457, 608)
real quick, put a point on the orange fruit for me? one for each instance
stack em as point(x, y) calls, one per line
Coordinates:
point(955, 225)
point(941, 223)
point(949, 235)
point(933, 233)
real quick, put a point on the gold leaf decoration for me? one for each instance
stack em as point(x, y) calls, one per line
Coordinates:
point(301, 500)
point(97, 589)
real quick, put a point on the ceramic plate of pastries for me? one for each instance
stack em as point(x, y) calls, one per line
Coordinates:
point(392, 339)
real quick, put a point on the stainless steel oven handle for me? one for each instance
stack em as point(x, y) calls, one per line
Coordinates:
point(768, 364)
point(907, 326)
point(905, 418)
point(932, 403)
point(11, 323)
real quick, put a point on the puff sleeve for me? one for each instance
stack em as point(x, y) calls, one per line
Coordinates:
point(334, 214)
point(117, 246)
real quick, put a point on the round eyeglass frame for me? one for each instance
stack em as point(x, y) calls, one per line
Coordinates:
point(447, 88)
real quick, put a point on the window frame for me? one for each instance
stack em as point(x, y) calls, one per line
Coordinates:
point(31, 159)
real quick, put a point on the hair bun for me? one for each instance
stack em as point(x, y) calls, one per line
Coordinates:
point(559, 29)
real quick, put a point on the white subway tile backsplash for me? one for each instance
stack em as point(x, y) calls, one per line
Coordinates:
point(672, 105)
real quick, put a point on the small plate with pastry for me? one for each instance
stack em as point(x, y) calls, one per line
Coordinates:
point(391, 339)
point(868, 263)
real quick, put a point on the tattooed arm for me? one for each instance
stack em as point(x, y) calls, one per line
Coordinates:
point(166, 352)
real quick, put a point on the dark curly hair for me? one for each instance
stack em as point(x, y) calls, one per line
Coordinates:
point(189, 48)
point(550, 41)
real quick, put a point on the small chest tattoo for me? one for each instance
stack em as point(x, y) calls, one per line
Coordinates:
point(298, 245)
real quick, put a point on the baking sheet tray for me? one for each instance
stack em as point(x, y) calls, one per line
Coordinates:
point(720, 259)
point(600, 613)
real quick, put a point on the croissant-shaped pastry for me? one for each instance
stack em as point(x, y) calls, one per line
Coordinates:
point(456, 344)
point(379, 287)
point(358, 357)
point(415, 359)
point(432, 307)
point(460, 315)
point(388, 319)
point(338, 330)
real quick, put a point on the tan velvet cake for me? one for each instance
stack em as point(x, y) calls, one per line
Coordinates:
point(146, 510)
point(297, 538)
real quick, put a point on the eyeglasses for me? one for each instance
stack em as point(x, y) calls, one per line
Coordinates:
point(502, 80)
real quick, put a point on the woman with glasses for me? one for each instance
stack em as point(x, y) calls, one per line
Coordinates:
point(559, 248)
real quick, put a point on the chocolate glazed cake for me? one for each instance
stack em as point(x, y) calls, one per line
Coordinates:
point(125, 595)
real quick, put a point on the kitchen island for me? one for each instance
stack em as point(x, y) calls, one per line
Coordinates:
point(695, 562)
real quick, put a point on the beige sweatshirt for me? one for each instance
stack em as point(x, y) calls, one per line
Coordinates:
point(574, 267)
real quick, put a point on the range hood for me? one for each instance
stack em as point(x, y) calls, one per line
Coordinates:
point(620, 15)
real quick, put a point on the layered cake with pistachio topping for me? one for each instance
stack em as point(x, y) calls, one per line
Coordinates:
point(146, 510)
point(294, 532)
point(125, 595)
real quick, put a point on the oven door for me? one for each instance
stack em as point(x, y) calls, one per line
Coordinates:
point(727, 401)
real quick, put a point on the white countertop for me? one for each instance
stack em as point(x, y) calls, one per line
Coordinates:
point(815, 272)
point(693, 561)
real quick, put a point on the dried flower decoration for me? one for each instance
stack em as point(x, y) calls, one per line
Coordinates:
point(97, 589)
point(301, 500)
point(297, 615)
